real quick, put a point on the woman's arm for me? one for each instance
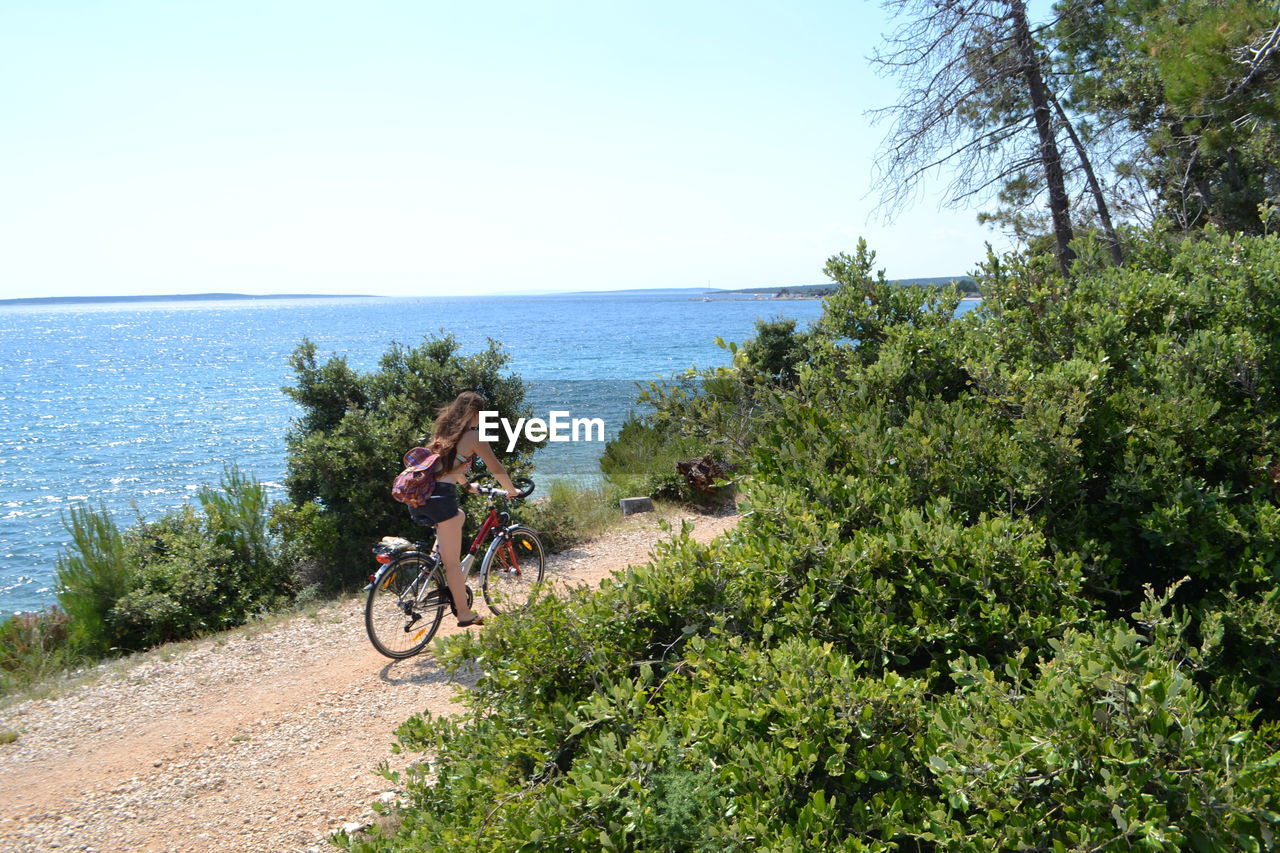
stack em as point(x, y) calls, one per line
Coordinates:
point(491, 461)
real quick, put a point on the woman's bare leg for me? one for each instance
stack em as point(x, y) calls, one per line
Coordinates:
point(449, 540)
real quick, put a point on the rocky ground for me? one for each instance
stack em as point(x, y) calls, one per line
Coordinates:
point(263, 739)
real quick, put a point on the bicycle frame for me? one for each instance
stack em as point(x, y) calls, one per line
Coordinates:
point(494, 521)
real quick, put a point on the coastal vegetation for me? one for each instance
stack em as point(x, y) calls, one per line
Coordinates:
point(1006, 580)
point(1003, 581)
point(232, 556)
point(195, 570)
point(819, 291)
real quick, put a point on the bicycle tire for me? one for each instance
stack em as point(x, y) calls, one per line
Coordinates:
point(400, 623)
point(512, 570)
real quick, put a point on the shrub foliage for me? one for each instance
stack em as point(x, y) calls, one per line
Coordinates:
point(195, 570)
point(349, 442)
point(1004, 581)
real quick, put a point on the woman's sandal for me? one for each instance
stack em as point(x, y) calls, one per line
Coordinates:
point(475, 620)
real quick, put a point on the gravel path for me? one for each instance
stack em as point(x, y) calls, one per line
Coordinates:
point(263, 739)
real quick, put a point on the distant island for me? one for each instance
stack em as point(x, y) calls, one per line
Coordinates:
point(701, 294)
point(818, 291)
point(177, 297)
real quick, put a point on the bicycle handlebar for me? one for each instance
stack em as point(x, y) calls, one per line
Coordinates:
point(524, 484)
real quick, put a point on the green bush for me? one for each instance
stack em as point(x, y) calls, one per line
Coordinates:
point(922, 635)
point(785, 748)
point(308, 537)
point(349, 442)
point(33, 646)
point(190, 572)
point(1108, 743)
point(569, 514)
point(641, 460)
point(188, 581)
point(773, 357)
point(91, 577)
point(237, 514)
point(1174, 417)
point(703, 413)
point(909, 593)
point(179, 586)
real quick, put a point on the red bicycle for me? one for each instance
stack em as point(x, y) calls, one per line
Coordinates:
point(408, 594)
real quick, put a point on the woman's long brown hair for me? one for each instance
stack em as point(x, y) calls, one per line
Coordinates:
point(451, 424)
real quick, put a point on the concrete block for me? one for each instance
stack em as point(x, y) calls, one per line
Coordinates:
point(630, 506)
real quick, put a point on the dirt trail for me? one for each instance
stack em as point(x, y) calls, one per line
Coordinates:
point(259, 740)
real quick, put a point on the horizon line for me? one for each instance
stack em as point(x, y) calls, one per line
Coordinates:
point(223, 296)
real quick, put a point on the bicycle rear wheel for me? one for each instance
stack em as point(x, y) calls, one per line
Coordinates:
point(512, 569)
point(405, 606)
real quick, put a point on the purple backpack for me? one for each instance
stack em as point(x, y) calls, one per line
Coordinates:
point(417, 481)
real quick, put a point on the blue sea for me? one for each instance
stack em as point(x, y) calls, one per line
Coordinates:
point(136, 405)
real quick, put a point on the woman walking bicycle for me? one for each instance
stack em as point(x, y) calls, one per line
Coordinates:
point(456, 439)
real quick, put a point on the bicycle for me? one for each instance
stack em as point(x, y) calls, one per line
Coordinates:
point(408, 594)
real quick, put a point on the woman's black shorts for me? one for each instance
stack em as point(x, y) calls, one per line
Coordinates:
point(441, 506)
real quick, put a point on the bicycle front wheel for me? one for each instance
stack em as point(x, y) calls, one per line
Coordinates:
point(405, 606)
point(512, 569)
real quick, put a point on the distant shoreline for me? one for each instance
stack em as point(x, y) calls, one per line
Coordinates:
point(696, 294)
point(177, 297)
point(821, 291)
point(786, 297)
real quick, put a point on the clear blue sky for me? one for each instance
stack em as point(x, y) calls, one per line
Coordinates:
point(423, 148)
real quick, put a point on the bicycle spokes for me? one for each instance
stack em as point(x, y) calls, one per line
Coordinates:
point(512, 569)
point(404, 608)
